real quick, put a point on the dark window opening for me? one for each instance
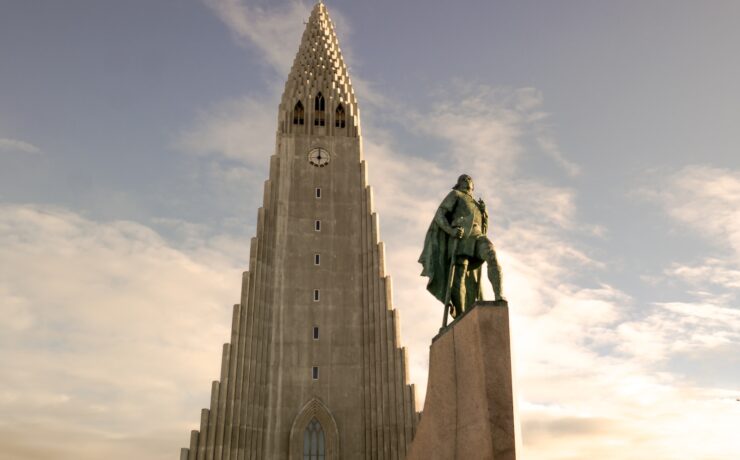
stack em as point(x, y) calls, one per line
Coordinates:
point(298, 113)
point(317, 226)
point(317, 259)
point(339, 117)
point(315, 333)
point(315, 372)
point(315, 295)
point(319, 111)
point(318, 192)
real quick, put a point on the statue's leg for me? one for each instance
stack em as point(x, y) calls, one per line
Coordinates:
point(487, 252)
point(458, 286)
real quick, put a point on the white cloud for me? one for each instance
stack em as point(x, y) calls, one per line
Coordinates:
point(106, 339)
point(706, 199)
point(679, 328)
point(710, 271)
point(238, 130)
point(595, 385)
point(16, 146)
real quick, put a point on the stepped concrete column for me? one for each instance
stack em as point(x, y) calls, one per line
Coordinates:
point(469, 408)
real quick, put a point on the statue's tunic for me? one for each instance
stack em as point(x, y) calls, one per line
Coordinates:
point(464, 212)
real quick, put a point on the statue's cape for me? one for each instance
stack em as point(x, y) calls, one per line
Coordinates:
point(435, 262)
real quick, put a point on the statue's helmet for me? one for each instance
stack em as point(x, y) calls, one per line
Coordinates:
point(460, 180)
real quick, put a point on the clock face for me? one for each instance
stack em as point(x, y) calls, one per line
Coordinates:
point(319, 157)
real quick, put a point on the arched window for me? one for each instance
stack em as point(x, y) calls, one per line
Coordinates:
point(314, 434)
point(319, 116)
point(298, 113)
point(339, 118)
point(313, 441)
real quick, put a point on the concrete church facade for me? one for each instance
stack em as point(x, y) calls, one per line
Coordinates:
point(313, 369)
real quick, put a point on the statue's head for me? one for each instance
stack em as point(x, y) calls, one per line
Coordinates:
point(464, 184)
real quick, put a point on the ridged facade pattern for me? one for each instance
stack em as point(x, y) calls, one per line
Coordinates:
point(265, 386)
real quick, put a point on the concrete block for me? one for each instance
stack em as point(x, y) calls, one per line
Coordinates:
point(469, 408)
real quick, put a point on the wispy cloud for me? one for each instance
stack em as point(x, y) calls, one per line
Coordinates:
point(704, 201)
point(707, 200)
point(105, 336)
point(236, 130)
point(275, 32)
point(710, 271)
point(16, 146)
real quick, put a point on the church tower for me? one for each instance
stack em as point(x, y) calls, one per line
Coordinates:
point(313, 370)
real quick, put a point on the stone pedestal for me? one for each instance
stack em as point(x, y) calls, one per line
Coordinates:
point(469, 408)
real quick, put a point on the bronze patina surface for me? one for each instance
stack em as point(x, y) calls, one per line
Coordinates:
point(455, 248)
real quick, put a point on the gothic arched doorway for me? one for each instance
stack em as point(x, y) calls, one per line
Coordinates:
point(314, 434)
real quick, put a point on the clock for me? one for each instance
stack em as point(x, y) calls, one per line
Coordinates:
point(319, 157)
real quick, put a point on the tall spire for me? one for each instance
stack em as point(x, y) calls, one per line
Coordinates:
point(314, 340)
point(319, 68)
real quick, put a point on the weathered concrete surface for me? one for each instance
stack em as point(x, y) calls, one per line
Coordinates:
point(469, 408)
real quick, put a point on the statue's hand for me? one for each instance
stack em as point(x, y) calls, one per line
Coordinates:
point(481, 204)
point(459, 232)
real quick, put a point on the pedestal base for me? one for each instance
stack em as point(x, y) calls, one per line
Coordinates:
point(469, 408)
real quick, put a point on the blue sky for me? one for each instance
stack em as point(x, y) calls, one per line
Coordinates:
point(135, 136)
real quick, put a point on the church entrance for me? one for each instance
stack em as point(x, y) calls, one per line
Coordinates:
point(314, 434)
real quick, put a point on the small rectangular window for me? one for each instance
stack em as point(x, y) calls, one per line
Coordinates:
point(316, 333)
point(315, 372)
point(317, 259)
point(315, 295)
point(317, 225)
point(318, 192)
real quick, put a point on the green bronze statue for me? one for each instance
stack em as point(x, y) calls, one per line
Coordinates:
point(455, 248)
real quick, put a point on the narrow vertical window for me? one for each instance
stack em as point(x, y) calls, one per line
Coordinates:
point(317, 259)
point(316, 333)
point(315, 372)
point(319, 110)
point(339, 117)
point(317, 226)
point(318, 192)
point(298, 113)
point(315, 295)
point(313, 441)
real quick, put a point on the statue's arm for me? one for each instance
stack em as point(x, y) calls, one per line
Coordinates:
point(484, 215)
point(441, 220)
point(448, 204)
